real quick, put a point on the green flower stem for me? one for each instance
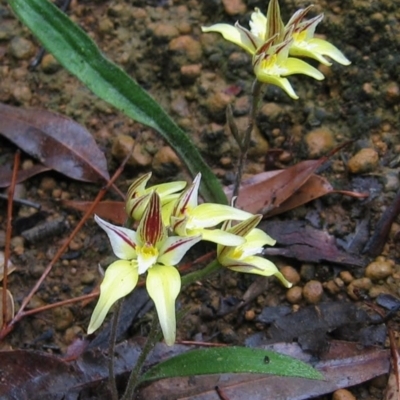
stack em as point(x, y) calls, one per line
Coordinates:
point(111, 351)
point(134, 378)
point(245, 143)
point(201, 274)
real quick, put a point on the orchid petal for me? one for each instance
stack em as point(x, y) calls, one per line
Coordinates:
point(237, 35)
point(258, 238)
point(296, 66)
point(283, 83)
point(221, 237)
point(261, 266)
point(188, 199)
point(147, 256)
point(274, 21)
point(163, 285)
point(166, 189)
point(123, 241)
point(175, 247)
point(166, 209)
point(137, 188)
point(151, 230)
point(137, 206)
point(119, 280)
point(328, 49)
point(258, 24)
point(209, 214)
point(246, 226)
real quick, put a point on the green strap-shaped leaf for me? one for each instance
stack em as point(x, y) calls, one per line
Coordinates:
point(77, 52)
point(228, 360)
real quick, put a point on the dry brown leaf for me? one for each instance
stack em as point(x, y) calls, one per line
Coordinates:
point(56, 141)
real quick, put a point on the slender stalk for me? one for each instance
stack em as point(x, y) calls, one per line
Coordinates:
point(111, 351)
point(201, 274)
point(134, 378)
point(245, 143)
point(7, 250)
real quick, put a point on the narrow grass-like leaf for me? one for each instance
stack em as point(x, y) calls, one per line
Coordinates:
point(224, 360)
point(77, 52)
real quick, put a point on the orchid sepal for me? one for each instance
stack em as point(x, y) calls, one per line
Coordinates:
point(123, 241)
point(119, 280)
point(163, 285)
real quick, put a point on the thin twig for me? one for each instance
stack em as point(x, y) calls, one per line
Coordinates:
point(60, 304)
point(134, 377)
point(7, 249)
point(245, 143)
point(111, 351)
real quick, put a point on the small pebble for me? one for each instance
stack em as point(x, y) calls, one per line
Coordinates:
point(49, 64)
point(163, 33)
point(105, 25)
point(331, 287)
point(307, 272)
point(72, 334)
point(377, 290)
point(187, 47)
point(166, 162)
point(88, 278)
point(343, 394)
point(346, 277)
point(319, 142)
point(228, 335)
point(47, 184)
point(393, 93)
point(362, 284)
point(21, 48)
point(366, 160)
point(75, 244)
point(271, 112)
point(291, 274)
point(63, 318)
point(216, 105)
point(189, 73)
point(122, 146)
point(249, 315)
point(312, 292)
point(234, 7)
point(294, 295)
point(378, 270)
point(36, 302)
point(22, 93)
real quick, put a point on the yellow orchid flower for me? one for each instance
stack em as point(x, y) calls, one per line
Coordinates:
point(243, 258)
point(189, 218)
point(272, 63)
point(262, 29)
point(306, 45)
point(150, 250)
point(270, 43)
point(138, 197)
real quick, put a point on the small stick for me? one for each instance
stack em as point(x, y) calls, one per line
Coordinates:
point(17, 159)
point(60, 303)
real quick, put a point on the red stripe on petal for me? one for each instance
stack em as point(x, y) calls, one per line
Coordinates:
point(151, 229)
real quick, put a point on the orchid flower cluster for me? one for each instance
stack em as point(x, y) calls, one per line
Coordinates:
point(270, 44)
point(170, 222)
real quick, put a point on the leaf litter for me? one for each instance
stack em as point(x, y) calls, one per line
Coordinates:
point(56, 141)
